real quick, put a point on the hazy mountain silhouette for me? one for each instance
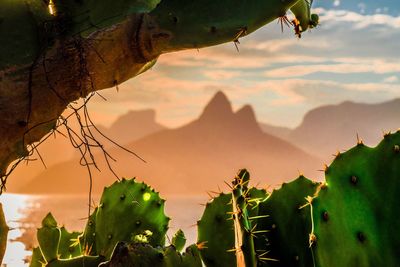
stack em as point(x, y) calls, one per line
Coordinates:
point(132, 126)
point(278, 131)
point(129, 127)
point(193, 158)
point(328, 129)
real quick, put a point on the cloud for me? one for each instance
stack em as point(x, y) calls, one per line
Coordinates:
point(357, 20)
point(391, 79)
point(372, 66)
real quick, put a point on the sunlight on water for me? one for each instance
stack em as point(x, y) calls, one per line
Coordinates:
point(13, 206)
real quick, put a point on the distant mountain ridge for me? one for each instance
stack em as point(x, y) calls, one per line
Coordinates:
point(144, 122)
point(332, 128)
point(193, 158)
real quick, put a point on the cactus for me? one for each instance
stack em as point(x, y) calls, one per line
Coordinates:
point(37, 259)
point(196, 24)
point(216, 233)
point(289, 224)
point(69, 246)
point(355, 223)
point(216, 229)
point(58, 247)
point(126, 209)
point(87, 239)
point(144, 255)
point(347, 221)
point(179, 240)
point(49, 238)
point(180, 24)
point(244, 242)
point(304, 18)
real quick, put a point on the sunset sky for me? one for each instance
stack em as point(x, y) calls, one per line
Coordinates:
point(353, 55)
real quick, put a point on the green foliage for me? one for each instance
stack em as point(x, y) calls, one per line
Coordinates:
point(355, 218)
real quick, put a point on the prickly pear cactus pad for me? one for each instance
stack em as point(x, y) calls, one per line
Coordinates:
point(216, 233)
point(88, 239)
point(356, 222)
point(288, 224)
point(49, 236)
point(195, 24)
point(127, 209)
point(69, 246)
point(179, 240)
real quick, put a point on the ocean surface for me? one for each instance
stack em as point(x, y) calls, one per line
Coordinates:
point(24, 214)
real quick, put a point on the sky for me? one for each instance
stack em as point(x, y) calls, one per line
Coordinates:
point(353, 55)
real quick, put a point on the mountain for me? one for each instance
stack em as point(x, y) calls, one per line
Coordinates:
point(328, 129)
point(132, 126)
point(129, 127)
point(279, 131)
point(191, 159)
point(369, 7)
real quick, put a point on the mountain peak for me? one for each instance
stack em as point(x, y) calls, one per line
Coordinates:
point(218, 107)
point(247, 116)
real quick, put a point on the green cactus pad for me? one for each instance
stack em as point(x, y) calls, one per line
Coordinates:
point(289, 225)
point(216, 232)
point(37, 259)
point(49, 236)
point(69, 246)
point(88, 239)
point(355, 218)
point(126, 209)
point(196, 24)
point(179, 240)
